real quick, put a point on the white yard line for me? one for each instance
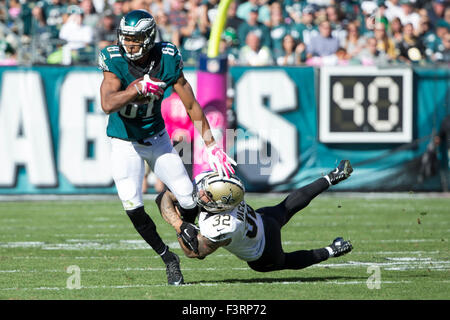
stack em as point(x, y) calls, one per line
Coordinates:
point(83, 244)
point(212, 284)
point(399, 263)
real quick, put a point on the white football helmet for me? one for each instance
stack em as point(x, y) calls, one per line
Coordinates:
point(216, 194)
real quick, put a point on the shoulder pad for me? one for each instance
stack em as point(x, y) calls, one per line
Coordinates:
point(107, 56)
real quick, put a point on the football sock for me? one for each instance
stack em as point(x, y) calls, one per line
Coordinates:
point(330, 251)
point(305, 258)
point(147, 229)
point(328, 179)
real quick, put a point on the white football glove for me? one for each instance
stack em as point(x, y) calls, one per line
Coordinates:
point(219, 161)
point(152, 88)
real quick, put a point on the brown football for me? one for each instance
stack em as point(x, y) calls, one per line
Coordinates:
point(141, 100)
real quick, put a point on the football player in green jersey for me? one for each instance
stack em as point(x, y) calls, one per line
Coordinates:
point(137, 129)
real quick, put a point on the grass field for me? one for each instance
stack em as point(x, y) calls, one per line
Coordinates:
point(405, 238)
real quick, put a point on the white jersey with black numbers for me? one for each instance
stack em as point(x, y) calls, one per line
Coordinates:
point(242, 225)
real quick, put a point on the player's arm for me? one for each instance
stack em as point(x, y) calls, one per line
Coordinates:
point(170, 214)
point(166, 205)
point(218, 159)
point(186, 232)
point(193, 109)
point(112, 98)
point(205, 247)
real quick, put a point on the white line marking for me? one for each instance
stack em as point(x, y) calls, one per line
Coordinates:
point(426, 263)
point(211, 284)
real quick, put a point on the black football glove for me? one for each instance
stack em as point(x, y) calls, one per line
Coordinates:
point(189, 236)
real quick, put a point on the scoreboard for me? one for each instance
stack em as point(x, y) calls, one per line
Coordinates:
point(365, 105)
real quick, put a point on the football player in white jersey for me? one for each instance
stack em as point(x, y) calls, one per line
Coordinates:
point(254, 236)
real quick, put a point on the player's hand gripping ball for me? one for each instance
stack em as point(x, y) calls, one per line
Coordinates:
point(149, 88)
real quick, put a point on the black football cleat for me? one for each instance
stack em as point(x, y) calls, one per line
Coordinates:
point(173, 271)
point(339, 247)
point(342, 172)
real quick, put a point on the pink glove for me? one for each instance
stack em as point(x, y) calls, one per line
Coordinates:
point(152, 88)
point(219, 161)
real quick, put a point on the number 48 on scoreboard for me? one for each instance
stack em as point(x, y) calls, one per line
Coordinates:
point(365, 104)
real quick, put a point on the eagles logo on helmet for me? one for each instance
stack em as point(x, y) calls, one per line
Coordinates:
point(137, 26)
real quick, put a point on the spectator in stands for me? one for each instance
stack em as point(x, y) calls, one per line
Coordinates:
point(334, 16)
point(408, 15)
point(324, 44)
point(252, 25)
point(194, 38)
point(294, 8)
point(380, 14)
point(411, 48)
point(209, 12)
point(166, 31)
point(177, 15)
point(78, 36)
point(293, 53)
point(446, 18)
point(446, 51)
point(254, 53)
point(139, 5)
point(119, 8)
point(442, 54)
point(305, 29)
point(157, 6)
point(428, 37)
point(91, 18)
point(8, 54)
point(384, 43)
point(233, 21)
point(229, 46)
point(393, 10)
point(107, 30)
point(370, 55)
point(353, 42)
point(53, 13)
point(278, 29)
point(39, 24)
point(435, 11)
point(396, 30)
point(244, 9)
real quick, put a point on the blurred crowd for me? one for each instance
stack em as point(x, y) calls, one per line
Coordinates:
point(257, 32)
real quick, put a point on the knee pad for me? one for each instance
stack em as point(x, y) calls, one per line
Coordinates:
point(129, 193)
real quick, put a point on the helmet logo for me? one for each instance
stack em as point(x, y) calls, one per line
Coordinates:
point(228, 199)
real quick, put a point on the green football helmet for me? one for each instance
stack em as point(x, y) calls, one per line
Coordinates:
point(140, 27)
point(216, 194)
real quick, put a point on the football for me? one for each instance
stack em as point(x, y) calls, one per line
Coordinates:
point(141, 100)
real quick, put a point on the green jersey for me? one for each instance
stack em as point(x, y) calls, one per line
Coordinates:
point(134, 122)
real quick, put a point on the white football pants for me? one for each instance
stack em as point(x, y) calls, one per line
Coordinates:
point(128, 169)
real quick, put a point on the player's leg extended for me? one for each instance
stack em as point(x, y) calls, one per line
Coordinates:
point(168, 166)
point(295, 201)
point(128, 171)
point(300, 198)
point(274, 258)
point(304, 258)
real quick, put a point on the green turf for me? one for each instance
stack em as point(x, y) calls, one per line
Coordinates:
point(406, 238)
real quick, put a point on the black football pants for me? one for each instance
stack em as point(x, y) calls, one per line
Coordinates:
point(274, 218)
